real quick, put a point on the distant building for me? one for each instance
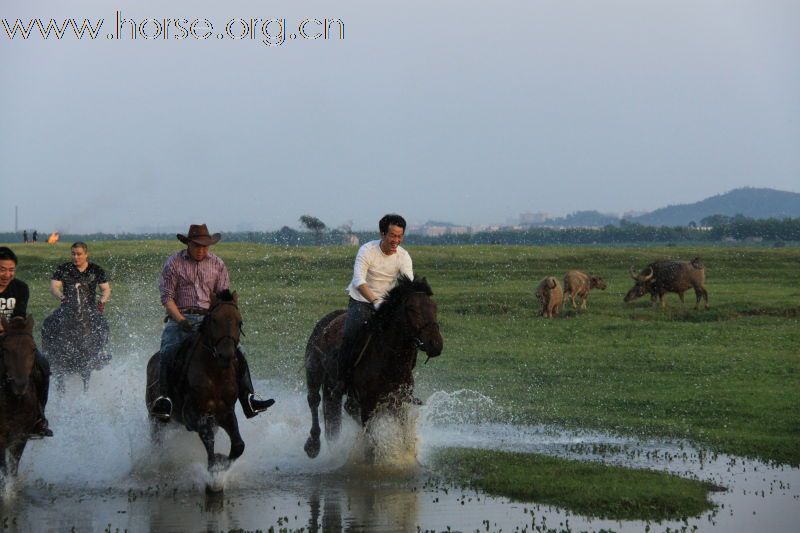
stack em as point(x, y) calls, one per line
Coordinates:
point(350, 239)
point(434, 231)
point(533, 218)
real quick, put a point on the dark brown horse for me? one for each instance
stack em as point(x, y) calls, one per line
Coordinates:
point(204, 387)
point(74, 338)
point(19, 404)
point(405, 322)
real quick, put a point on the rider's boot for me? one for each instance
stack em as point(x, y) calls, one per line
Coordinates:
point(162, 406)
point(251, 403)
point(41, 428)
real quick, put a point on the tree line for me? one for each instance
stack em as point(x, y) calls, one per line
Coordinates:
point(736, 228)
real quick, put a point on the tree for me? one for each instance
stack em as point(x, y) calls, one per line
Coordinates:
point(286, 236)
point(715, 220)
point(314, 225)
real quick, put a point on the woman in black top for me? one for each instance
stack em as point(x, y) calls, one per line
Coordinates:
point(14, 295)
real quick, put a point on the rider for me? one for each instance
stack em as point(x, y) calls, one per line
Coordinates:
point(79, 279)
point(187, 282)
point(14, 295)
point(377, 266)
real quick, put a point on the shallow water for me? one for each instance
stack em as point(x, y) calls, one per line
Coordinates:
point(101, 472)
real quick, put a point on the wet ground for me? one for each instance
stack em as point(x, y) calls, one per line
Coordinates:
point(101, 472)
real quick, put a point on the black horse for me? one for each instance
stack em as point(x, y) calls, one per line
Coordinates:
point(405, 322)
point(74, 338)
point(203, 380)
point(19, 401)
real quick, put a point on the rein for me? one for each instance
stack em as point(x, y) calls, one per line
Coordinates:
point(418, 343)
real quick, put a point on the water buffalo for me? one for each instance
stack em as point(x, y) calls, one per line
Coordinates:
point(577, 283)
point(661, 277)
point(550, 296)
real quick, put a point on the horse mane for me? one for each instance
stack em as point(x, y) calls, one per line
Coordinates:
point(396, 297)
point(19, 324)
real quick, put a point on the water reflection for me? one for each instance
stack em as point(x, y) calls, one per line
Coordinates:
point(103, 473)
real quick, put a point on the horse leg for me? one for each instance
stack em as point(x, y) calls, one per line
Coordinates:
point(16, 454)
point(3, 465)
point(313, 380)
point(367, 410)
point(205, 428)
point(332, 411)
point(351, 408)
point(231, 427)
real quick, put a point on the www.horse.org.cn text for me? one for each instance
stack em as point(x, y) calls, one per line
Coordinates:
point(267, 31)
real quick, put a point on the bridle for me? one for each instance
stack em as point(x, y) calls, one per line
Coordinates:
point(212, 347)
point(433, 323)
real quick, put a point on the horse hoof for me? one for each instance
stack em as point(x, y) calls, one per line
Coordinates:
point(312, 447)
point(214, 489)
point(220, 463)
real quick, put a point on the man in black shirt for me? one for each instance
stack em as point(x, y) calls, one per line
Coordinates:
point(14, 303)
point(75, 285)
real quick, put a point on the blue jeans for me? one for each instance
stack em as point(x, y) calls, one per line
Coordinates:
point(358, 314)
point(173, 336)
point(171, 339)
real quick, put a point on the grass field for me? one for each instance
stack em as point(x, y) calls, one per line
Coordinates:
point(584, 487)
point(728, 378)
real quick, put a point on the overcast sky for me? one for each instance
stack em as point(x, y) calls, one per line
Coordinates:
point(468, 112)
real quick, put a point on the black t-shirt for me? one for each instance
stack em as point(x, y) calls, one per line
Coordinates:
point(73, 279)
point(14, 300)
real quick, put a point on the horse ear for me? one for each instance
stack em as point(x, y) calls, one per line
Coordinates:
point(212, 299)
point(29, 322)
point(235, 297)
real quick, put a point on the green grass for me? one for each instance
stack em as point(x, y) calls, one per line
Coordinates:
point(588, 488)
point(727, 378)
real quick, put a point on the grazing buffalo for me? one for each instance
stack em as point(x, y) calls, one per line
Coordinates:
point(662, 277)
point(550, 296)
point(578, 284)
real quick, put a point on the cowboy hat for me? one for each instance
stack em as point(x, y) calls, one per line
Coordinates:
point(198, 234)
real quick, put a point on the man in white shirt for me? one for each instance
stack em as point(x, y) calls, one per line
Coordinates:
point(377, 266)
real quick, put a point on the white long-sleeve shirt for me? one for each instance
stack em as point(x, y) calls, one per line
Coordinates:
point(378, 270)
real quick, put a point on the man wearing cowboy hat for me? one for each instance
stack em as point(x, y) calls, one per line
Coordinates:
point(187, 282)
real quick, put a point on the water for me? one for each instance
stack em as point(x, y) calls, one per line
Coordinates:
point(101, 472)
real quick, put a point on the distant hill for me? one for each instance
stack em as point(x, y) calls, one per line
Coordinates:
point(747, 201)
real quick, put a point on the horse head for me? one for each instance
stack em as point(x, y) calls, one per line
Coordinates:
point(19, 351)
point(222, 327)
point(414, 310)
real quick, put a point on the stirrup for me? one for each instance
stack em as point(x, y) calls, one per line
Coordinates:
point(258, 404)
point(165, 410)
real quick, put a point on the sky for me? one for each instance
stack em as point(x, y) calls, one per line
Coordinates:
point(467, 112)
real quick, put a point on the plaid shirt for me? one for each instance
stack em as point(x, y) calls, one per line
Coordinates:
point(189, 283)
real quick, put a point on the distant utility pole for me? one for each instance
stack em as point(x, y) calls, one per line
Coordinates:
point(16, 218)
